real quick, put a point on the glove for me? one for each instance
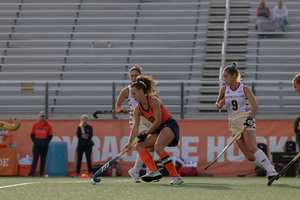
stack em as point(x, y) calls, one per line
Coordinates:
point(249, 122)
point(142, 137)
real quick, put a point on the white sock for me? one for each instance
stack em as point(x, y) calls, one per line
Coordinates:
point(152, 154)
point(138, 164)
point(261, 160)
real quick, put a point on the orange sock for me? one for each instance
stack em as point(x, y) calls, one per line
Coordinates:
point(167, 161)
point(148, 160)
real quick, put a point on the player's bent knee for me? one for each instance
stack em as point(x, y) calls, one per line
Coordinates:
point(159, 149)
point(140, 147)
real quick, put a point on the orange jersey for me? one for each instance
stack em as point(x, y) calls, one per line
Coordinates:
point(148, 114)
point(41, 131)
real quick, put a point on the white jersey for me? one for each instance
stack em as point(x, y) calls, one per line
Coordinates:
point(130, 100)
point(144, 124)
point(236, 100)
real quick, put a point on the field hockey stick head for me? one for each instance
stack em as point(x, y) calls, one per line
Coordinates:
point(95, 114)
point(95, 180)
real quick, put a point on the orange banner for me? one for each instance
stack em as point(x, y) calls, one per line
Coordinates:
point(200, 141)
point(9, 161)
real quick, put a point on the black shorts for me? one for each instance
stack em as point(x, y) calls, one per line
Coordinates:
point(172, 124)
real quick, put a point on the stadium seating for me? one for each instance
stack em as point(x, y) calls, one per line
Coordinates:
point(83, 50)
point(274, 57)
point(61, 41)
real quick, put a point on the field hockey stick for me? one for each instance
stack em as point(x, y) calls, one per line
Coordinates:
point(97, 112)
point(283, 170)
point(228, 145)
point(107, 165)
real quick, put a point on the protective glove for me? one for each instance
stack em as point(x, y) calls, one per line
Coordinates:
point(142, 137)
point(249, 122)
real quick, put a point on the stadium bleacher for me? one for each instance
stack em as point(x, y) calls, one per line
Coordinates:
point(80, 52)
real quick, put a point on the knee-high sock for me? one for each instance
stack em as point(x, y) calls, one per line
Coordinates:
point(261, 160)
point(139, 163)
point(152, 154)
point(148, 160)
point(167, 161)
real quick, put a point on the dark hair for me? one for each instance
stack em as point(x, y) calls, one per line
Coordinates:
point(137, 68)
point(296, 79)
point(232, 69)
point(145, 83)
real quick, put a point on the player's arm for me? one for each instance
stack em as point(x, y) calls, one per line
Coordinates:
point(252, 99)
point(135, 128)
point(122, 96)
point(32, 133)
point(221, 101)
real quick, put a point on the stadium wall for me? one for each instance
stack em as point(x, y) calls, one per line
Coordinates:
point(200, 141)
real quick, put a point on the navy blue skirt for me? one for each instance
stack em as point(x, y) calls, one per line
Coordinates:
point(172, 124)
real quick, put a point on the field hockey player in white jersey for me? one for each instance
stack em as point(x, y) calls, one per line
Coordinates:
point(236, 97)
point(296, 85)
point(125, 94)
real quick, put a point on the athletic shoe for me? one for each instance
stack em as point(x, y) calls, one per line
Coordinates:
point(75, 175)
point(272, 174)
point(152, 176)
point(134, 176)
point(176, 180)
point(90, 174)
point(30, 175)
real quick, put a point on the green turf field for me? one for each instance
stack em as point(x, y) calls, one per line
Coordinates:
point(121, 188)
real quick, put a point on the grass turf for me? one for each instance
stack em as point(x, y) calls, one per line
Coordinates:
point(122, 188)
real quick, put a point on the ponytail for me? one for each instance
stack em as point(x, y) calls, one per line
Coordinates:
point(145, 83)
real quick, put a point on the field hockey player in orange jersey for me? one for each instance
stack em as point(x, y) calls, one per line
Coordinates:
point(163, 132)
point(144, 124)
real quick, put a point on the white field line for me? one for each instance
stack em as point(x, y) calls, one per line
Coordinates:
point(63, 182)
point(74, 182)
point(7, 186)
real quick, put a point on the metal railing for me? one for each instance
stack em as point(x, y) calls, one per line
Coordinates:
point(30, 96)
point(63, 99)
point(224, 43)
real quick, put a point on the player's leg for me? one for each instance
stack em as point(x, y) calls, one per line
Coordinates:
point(79, 159)
point(146, 157)
point(44, 151)
point(138, 163)
point(36, 154)
point(297, 132)
point(164, 139)
point(88, 154)
point(135, 171)
point(260, 158)
point(242, 146)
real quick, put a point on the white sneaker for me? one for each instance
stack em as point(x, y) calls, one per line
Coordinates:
point(272, 174)
point(176, 180)
point(152, 176)
point(135, 176)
